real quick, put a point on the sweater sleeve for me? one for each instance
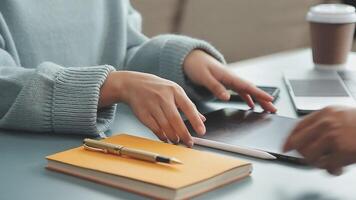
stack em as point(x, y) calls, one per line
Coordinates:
point(164, 55)
point(51, 98)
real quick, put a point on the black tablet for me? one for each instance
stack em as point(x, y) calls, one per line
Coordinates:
point(246, 128)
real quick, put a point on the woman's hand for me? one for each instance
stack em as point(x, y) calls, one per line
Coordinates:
point(327, 138)
point(202, 69)
point(155, 101)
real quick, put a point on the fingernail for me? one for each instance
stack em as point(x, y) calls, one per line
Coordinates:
point(201, 130)
point(190, 143)
point(225, 96)
point(164, 139)
point(203, 118)
point(337, 172)
point(274, 108)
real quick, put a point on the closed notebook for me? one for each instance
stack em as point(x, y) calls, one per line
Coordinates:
point(200, 172)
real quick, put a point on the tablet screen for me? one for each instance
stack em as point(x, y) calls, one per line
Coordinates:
point(263, 131)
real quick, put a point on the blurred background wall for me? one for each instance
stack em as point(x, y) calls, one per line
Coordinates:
point(240, 29)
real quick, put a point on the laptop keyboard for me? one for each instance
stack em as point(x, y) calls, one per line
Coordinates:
point(349, 78)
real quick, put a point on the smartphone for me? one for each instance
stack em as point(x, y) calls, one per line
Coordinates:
point(273, 91)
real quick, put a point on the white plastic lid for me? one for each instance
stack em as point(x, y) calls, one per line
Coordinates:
point(332, 13)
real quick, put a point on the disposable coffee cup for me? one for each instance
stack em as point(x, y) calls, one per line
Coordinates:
point(331, 28)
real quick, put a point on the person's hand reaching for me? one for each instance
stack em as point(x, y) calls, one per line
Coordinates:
point(156, 102)
point(204, 70)
point(327, 138)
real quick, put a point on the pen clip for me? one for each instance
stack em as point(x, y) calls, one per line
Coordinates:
point(94, 149)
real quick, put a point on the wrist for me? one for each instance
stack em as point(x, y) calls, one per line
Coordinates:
point(119, 87)
point(192, 59)
point(111, 90)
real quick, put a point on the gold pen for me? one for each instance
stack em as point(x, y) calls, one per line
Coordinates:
point(95, 145)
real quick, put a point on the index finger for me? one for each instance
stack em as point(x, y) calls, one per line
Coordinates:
point(191, 112)
point(268, 106)
point(241, 85)
point(306, 122)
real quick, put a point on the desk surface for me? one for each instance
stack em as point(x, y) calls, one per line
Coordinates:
point(22, 162)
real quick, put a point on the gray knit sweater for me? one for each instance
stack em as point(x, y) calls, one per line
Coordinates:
point(56, 54)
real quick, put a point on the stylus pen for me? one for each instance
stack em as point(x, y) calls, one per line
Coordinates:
point(233, 148)
point(104, 147)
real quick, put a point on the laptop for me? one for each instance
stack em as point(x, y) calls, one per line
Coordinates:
point(312, 90)
point(248, 129)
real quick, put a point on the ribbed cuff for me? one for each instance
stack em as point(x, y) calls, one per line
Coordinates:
point(75, 101)
point(171, 61)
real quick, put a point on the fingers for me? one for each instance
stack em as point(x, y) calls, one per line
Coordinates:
point(165, 125)
point(202, 117)
point(177, 123)
point(336, 172)
point(164, 119)
point(191, 112)
point(316, 150)
point(333, 163)
point(215, 81)
point(307, 121)
point(152, 124)
point(245, 88)
point(242, 86)
point(247, 98)
point(268, 106)
point(217, 88)
point(333, 157)
point(306, 136)
point(146, 118)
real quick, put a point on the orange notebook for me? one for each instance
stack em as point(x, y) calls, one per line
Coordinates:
point(201, 171)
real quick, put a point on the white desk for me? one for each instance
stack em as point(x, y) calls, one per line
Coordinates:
point(23, 176)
